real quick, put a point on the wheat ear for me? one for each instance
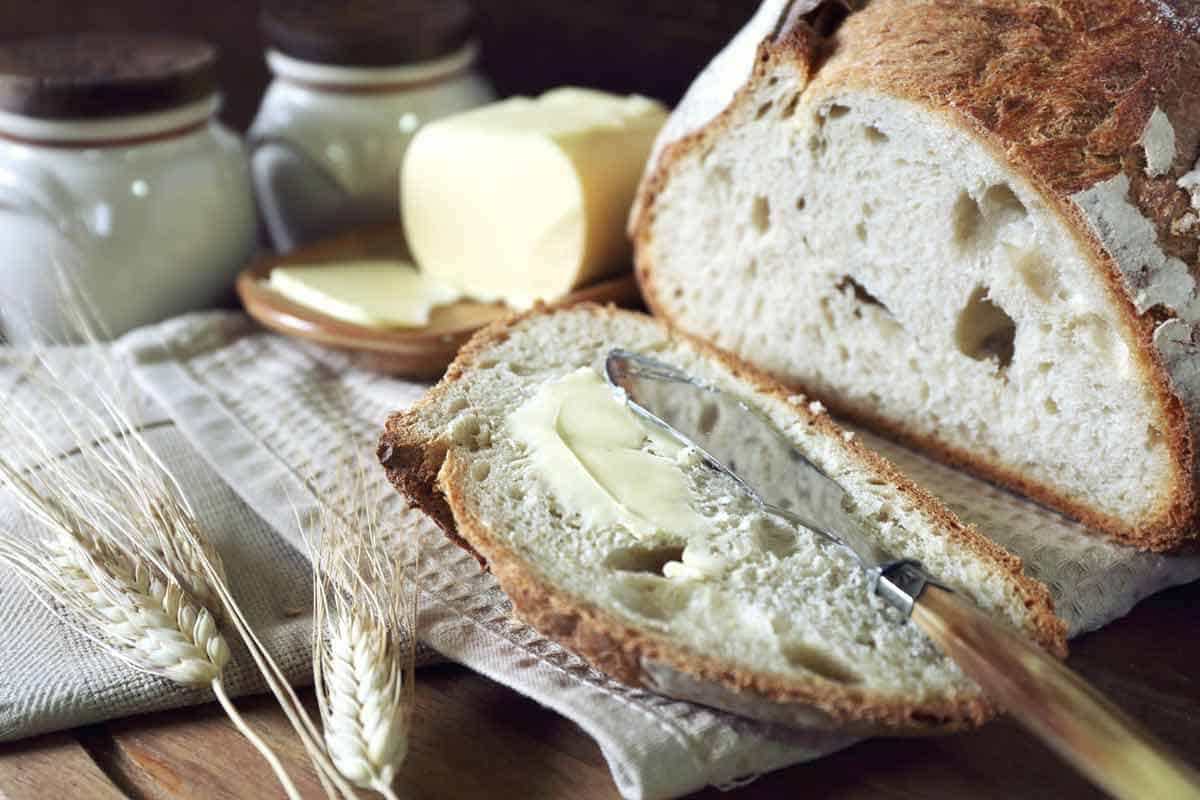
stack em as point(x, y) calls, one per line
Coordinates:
point(124, 561)
point(364, 649)
point(127, 604)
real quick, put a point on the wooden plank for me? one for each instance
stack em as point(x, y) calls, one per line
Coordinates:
point(197, 753)
point(53, 766)
point(472, 737)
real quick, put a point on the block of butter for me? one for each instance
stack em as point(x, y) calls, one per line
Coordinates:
point(379, 294)
point(527, 198)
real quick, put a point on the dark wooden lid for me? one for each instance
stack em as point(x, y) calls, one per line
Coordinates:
point(366, 33)
point(89, 75)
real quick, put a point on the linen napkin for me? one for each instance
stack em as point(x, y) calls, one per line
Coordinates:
point(255, 423)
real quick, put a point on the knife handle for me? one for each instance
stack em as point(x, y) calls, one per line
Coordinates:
point(1052, 702)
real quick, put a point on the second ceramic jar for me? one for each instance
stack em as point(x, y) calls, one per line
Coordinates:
point(352, 83)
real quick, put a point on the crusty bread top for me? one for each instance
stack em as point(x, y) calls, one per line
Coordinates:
point(1064, 87)
point(433, 471)
point(1063, 92)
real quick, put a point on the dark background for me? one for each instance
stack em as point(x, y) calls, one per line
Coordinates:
point(653, 47)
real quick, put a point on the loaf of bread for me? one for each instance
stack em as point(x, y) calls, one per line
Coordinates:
point(742, 612)
point(971, 224)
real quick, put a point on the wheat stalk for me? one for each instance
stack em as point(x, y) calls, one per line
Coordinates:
point(115, 591)
point(364, 650)
point(123, 559)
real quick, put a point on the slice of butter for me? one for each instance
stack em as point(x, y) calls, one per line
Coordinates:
point(591, 450)
point(527, 198)
point(380, 294)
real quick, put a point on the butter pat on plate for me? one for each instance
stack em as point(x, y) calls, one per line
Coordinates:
point(378, 294)
point(527, 198)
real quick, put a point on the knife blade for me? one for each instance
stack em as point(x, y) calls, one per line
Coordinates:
point(742, 443)
point(1053, 703)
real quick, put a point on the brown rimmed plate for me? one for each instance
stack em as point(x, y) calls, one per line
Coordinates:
point(406, 352)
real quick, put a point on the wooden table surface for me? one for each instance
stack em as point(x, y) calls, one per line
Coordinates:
point(476, 738)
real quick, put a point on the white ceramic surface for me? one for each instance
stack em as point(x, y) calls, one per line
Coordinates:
point(146, 230)
point(328, 142)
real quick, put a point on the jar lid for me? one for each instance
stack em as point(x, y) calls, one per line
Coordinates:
point(367, 33)
point(91, 75)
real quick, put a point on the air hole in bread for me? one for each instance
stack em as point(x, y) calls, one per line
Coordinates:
point(967, 218)
point(720, 176)
point(466, 431)
point(837, 111)
point(1001, 201)
point(984, 331)
point(1050, 406)
point(860, 230)
point(874, 135)
point(809, 658)
point(790, 108)
point(1035, 273)
point(764, 109)
point(760, 214)
point(848, 284)
point(480, 470)
point(779, 542)
point(708, 418)
point(801, 203)
point(1153, 436)
point(643, 559)
point(486, 363)
point(456, 405)
point(649, 596)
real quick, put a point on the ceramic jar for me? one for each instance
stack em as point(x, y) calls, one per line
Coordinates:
point(115, 173)
point(352, 84)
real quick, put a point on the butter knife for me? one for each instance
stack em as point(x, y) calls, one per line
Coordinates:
point(1052, 702)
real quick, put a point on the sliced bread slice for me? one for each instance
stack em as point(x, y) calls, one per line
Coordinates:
point(966, 223)
point(743, 612)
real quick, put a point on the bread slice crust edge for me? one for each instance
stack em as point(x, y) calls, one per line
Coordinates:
point(621, 650)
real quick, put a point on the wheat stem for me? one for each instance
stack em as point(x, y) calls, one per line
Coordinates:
point(126, 562)
point(261, 746)
point(364, 643)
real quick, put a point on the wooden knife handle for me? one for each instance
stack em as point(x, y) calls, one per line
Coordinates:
point(1055, 704)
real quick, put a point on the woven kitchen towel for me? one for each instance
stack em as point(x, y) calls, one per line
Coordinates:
point(254, 423)
point(266, 412)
